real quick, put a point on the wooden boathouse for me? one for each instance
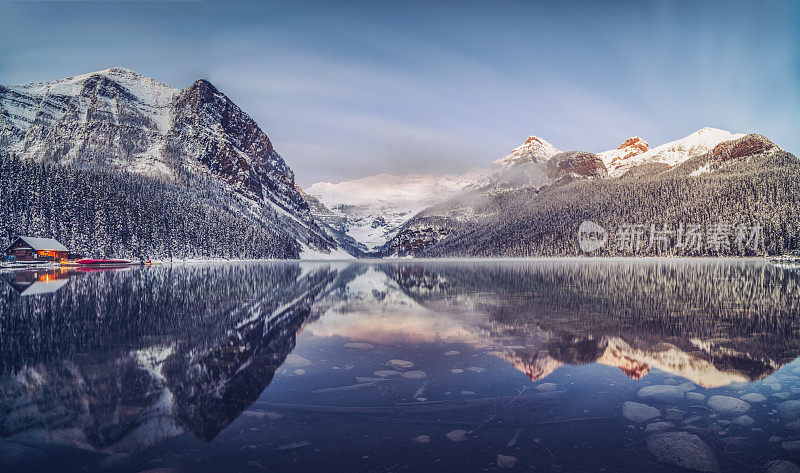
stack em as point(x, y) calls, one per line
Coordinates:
point(26, 248)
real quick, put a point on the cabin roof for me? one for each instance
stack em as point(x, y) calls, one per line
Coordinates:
point(43, 243)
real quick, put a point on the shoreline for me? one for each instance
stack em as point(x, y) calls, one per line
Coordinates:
point(785, 260)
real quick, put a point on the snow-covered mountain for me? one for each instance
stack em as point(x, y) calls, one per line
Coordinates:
point(117, 119)
point(371, 209)
point(114, 117)
point(529, 208)
point(523, 166)
point(633, 152)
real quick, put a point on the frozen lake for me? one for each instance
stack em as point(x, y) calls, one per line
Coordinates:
point(534, 365)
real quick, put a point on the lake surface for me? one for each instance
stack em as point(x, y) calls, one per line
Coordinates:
point(537, 365)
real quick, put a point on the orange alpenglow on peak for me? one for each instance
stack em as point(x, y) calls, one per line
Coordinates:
point(636, 143)
point(633, 146)
point(532, 139)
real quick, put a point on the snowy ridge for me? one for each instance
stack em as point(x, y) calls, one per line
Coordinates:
point(390, 190)
point(673, 153)
point(149, 93)
point(516, 180)
point(147, 90)
point(373, 208)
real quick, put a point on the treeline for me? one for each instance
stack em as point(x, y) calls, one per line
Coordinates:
point(110, 214)
point(761, 191)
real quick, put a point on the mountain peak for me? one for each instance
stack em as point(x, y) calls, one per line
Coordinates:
point(707, 130)
point(204, 84)
point(703, 139)
point(118, 71)
point(535, 141)
point(121, 75)
point(204, 91)
point(635, 142)
point(633, 146)
point(533, 150)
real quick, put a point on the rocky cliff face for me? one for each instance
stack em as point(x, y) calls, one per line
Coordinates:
point(209, 129)
point(750, 145)
point(575, 164)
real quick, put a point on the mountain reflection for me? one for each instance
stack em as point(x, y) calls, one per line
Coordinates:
point(118, 360)
point(129, 357)
point(713, 322)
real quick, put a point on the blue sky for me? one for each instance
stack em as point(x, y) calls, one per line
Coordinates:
point(351, 89)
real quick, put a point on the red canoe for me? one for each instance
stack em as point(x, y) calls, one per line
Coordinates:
point(103, 261)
